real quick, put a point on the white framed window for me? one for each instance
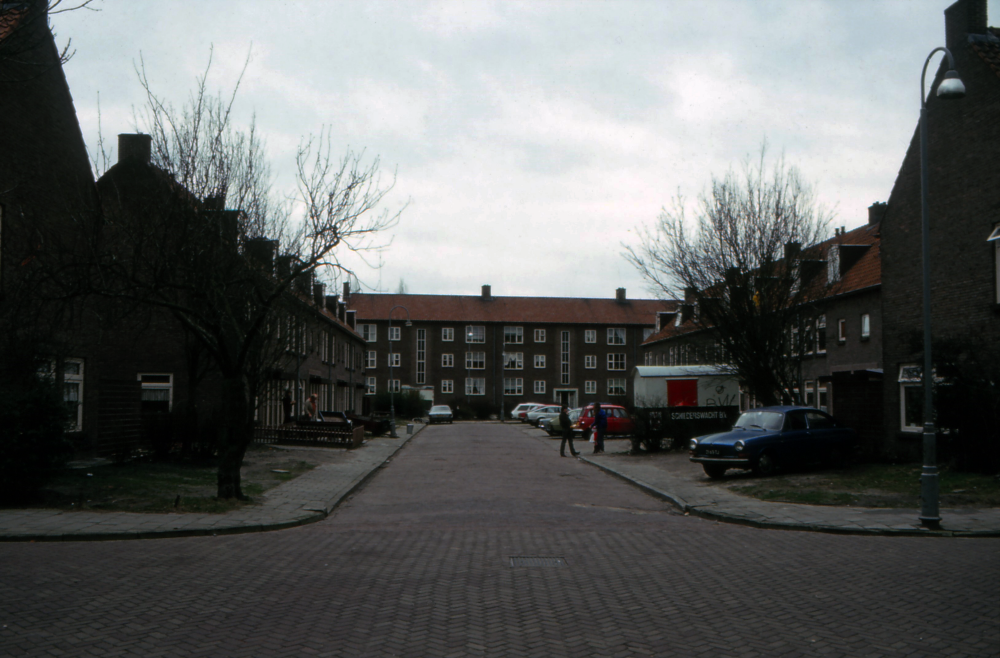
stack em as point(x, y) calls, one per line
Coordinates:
point(157, 391)
point(394, 385)
point(369, 332)
point(475, 360)
point(513, 361)
point(513, 386)
point(590, 336)
point(447, 360)
point(421, 356)
point(393, 359)
point(539, 360)
point(590, 387)
point(513, 335)
point(911, 398)
point(475, 334)
point(842, 330)
point(371, 359)
point(590, 361)
point(539, 387)
point(564, 358)
point(73, 393)
point(795, 341)
point(821, 335)
point(447, 385)
point(475, 386)
point(539, 335)
point(370, 382)
point(447, 334)
point(616, 335)
point(810, 400)
point(866, 326)
point(394, 333)
point(616, 387)
point(616, 361)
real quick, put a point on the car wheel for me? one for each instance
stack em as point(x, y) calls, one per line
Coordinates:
point(714, 471)
point(765, 465)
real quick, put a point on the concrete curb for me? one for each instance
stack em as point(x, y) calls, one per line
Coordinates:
point(720, 516)
point(319, 515)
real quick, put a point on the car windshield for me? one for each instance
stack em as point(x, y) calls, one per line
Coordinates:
point(766, 420)
point(440, 410)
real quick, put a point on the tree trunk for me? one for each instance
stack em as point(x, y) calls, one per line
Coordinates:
point(235, 435)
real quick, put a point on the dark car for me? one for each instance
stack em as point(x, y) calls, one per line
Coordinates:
point(764, 439)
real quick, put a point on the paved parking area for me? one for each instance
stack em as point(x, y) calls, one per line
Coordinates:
point(418, 563)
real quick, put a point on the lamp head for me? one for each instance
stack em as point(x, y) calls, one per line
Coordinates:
point(409, 324)
point(951, 87)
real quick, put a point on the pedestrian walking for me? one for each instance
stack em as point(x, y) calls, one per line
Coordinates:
point(312, 409)
point(567, 429)
point(600, 426)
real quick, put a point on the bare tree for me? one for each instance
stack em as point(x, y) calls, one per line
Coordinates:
point(167, 241)
point(734, 263)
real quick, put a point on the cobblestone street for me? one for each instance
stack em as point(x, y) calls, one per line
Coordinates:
point(418, 563)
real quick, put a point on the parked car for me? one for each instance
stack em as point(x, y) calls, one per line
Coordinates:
point(619, 422)
point(767, 438)
point(552, 425)
point(533, 416)
point(439, 413)
point(377, 424)
point(523, 408)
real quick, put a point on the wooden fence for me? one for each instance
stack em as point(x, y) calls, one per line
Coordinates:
point(310, 434)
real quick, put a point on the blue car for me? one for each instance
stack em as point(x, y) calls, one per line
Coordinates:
point(765, 439)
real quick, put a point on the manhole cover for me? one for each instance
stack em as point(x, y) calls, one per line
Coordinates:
point(537, 562)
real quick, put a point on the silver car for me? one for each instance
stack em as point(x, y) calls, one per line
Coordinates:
point(439, 413)
point(537, 414)
point(551, 423)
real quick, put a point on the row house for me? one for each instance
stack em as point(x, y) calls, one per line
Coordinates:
point(501, 351)
point(838, 340)
point(963, 198)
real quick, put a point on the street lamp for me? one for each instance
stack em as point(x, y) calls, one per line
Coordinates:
point(950, 88)
point(392, 397)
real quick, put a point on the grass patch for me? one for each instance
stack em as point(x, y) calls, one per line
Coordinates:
point(873, 485)
point(165, 486)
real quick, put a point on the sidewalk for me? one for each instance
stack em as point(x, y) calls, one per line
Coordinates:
point(306, 499)
point(673, 478)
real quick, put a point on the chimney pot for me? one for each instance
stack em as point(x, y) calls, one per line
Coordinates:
point(620, 295)
point(487, 293)
point(134, 147)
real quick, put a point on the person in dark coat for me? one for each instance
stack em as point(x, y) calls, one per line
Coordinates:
point(286, 406)
point(567, 430)
point(600, 427)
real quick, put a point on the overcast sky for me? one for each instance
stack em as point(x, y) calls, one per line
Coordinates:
point(531, 139)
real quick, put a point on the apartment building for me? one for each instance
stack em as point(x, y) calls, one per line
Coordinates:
point(501, 351)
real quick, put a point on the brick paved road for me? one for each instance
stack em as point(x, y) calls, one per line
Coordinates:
point(417, 564)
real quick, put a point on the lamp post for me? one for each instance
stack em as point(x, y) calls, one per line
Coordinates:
point(950, 88)
point(392, 397)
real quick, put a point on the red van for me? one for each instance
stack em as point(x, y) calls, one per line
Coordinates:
point(619, 422)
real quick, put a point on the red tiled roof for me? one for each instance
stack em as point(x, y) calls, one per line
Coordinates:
point(988, 51)
point(470, 308)
point(865, 273)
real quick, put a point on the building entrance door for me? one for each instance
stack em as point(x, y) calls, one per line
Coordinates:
point(566, 396)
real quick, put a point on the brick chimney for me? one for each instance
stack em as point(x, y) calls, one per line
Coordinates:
point(319, 294)
point(792, 250)
point(620, 295)
point(261, 252)
point(134, 147)
point(347, 292)
point(331, 303)
point(963, 18)
point(487, 293)
point(876, 212)
point(689, 295)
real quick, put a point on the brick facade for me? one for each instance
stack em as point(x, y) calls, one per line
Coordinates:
point(964, 208)
point(557, 361)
